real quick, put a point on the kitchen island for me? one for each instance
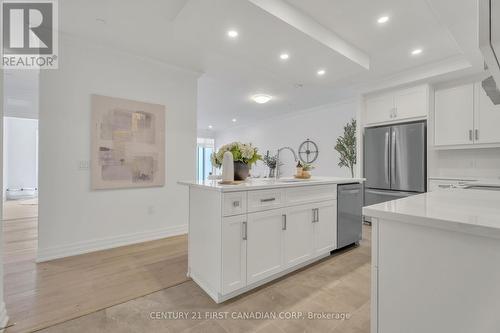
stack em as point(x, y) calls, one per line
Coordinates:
point(242, 236)
point(436, 263)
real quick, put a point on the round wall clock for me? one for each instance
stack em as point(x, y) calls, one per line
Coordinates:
point(308, 151)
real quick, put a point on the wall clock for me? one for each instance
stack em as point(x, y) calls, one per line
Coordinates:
point(308, 151)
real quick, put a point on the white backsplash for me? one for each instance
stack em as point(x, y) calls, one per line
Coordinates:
point(480, 163)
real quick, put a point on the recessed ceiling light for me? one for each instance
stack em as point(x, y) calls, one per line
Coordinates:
point(232, 33)
point(233, 120)
point(321, 72)
point(210, 126)
point(261, 98)
point(383, 19)
point(284, 56)
point(416, 51)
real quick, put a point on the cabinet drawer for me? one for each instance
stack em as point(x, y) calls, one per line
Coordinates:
point(264, 200)
point(234, 203)
point(306, 194)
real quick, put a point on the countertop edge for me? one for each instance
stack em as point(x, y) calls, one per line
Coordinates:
point(237, 188)
point(443, 224)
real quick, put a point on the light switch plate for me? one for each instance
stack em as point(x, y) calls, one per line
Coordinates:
point(83, 165)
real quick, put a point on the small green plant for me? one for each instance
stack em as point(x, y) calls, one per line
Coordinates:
point(346, 147)
point(271, 161)
point(307, 166)
point(242, 152)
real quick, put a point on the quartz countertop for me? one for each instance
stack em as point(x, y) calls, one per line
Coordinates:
point(464, 210)
point(267, 183)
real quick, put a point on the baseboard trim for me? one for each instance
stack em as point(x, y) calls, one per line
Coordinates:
point(4, 319)
point(69, 250)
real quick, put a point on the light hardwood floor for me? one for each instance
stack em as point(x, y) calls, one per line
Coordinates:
point(338, 284)
point(105, 290)
point(41, 295)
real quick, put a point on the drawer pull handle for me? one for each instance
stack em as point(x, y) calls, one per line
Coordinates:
point(283, 227)
point(445, 186)
point(245, 231)
point(315, 215)
point(268, 200)
point(236, 204)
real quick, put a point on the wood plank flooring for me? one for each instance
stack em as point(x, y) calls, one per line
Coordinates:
point(41, 295)
point(105, 291)
point(338, 284)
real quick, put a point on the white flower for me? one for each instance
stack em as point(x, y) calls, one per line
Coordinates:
point(247, 151)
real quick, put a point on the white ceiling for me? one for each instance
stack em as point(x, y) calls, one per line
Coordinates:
point(192, 34)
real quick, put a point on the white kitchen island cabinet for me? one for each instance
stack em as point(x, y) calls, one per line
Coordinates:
point(436, 263)
point(242, 236)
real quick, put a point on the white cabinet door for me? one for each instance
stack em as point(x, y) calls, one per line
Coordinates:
point(298, 235)
point(487, 118)
point(234, 253)
point(411, 103)
point(379, 109)
point(325, 228)
point(454, 116)
point(264, 244)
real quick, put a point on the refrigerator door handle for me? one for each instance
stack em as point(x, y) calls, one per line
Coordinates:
point(393, 156)
point(387, 159)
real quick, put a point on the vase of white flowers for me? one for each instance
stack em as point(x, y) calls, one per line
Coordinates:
point(244, 155)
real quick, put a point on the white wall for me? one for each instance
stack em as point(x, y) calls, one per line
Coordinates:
point(322, 125)
point(72, 218)
point(482, 163)
point(20, 135)
point(3, 312)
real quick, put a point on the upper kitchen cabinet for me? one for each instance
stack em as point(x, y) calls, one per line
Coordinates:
point(487, 118)
point(397, 106)
point(454, 116)
point(465, 117)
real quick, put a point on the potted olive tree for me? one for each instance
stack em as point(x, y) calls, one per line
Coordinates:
point(346, 147)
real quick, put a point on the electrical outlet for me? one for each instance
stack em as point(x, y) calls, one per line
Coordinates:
point(83, 165)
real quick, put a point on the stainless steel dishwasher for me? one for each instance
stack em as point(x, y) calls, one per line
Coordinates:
point(349, 214)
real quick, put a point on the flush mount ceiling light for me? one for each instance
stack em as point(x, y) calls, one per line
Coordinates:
point(284, 56)
point(416, 52)
point(210, 126)
point(232, 33)
point(321, 72)
point(383, 19)
point(233, 120)
point(261, 98)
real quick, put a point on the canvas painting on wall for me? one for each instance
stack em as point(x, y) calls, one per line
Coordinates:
point(128, 143)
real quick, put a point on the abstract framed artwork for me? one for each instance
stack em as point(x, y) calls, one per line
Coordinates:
point(128, 143)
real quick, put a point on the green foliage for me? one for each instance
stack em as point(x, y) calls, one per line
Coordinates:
point(307, 166)
point(346, 147)
point(242, 152)
point(271, 161)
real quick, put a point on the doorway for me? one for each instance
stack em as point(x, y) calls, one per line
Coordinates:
point(20, 167)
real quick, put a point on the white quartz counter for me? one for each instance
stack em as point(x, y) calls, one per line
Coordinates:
point(267, 183)
point(465, 210)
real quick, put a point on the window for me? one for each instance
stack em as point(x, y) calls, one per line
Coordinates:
point(205, 148)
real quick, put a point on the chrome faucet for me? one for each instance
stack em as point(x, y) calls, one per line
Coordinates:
point(278, 159)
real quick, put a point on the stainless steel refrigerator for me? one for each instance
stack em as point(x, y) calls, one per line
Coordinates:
point(394, 162)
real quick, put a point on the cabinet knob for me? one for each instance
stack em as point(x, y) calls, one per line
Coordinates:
point(236, 203)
